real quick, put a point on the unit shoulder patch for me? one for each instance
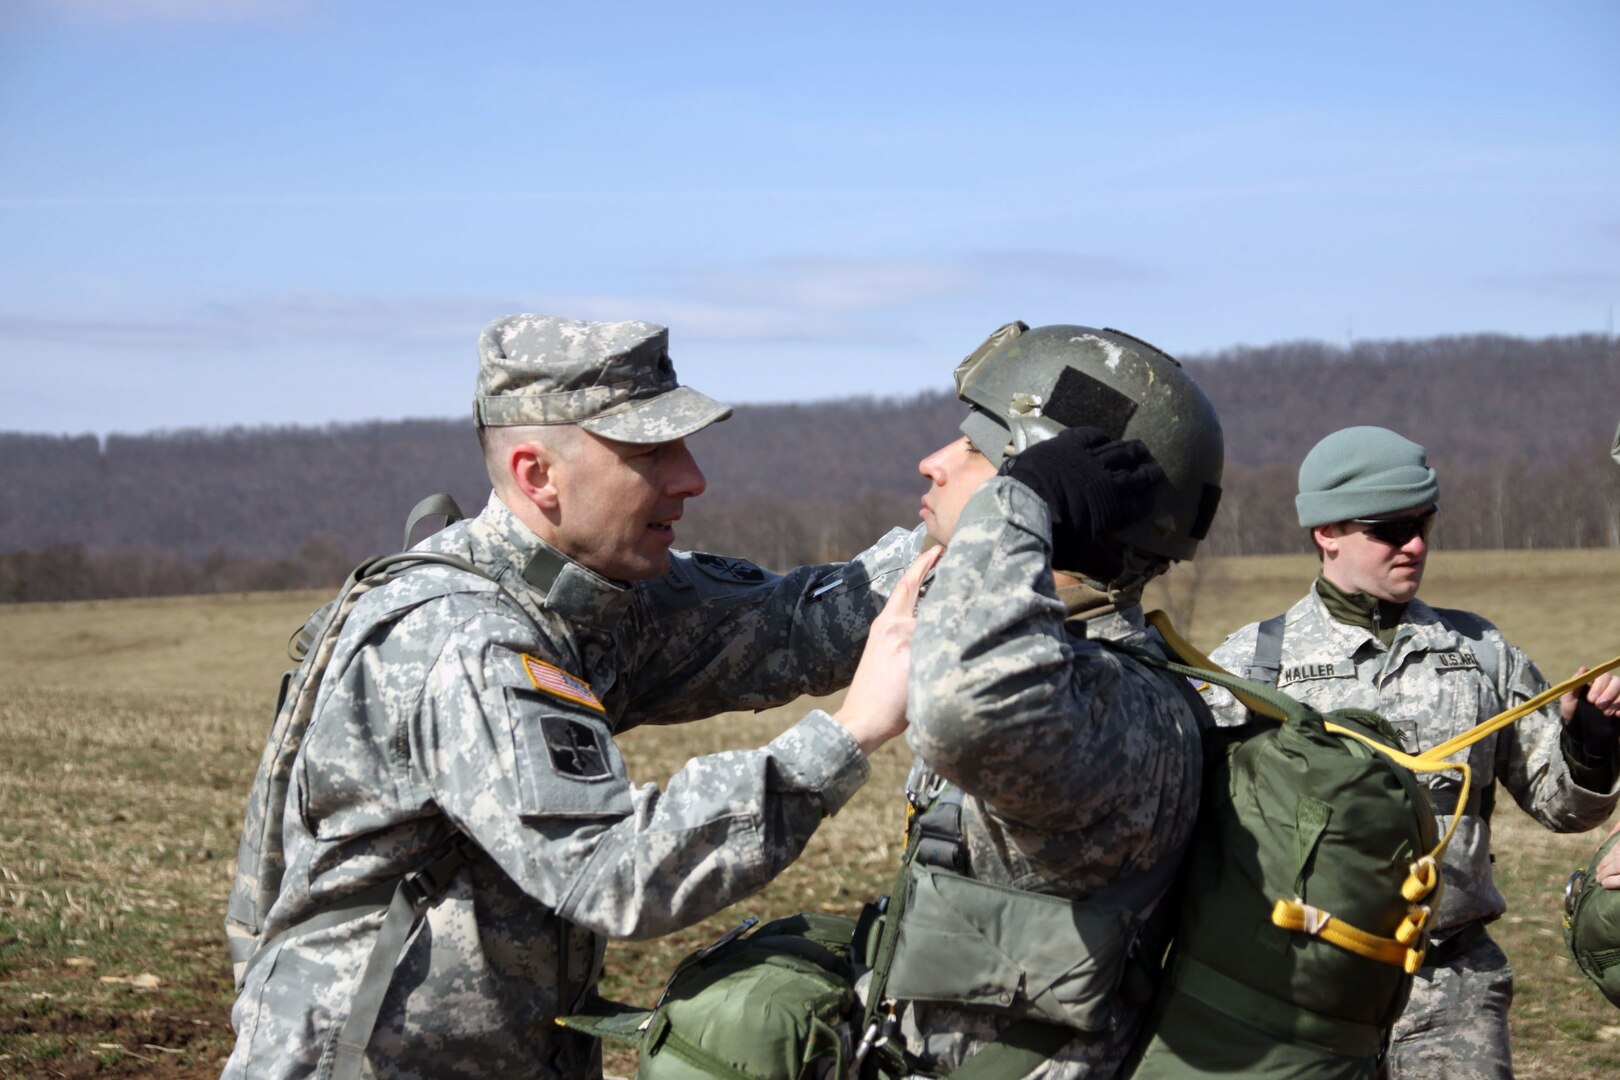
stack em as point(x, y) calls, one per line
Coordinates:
point(553, 680)
point(576, 748)
point(728, 569)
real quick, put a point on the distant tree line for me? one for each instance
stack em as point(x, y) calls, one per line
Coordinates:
point(1518, 428)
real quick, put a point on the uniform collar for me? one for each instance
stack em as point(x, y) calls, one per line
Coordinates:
point(541, 575)
point(1107, 623)
point(1420, 629)
point(1380, 617)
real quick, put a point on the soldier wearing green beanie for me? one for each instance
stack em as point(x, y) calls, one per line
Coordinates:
point(1360, 637)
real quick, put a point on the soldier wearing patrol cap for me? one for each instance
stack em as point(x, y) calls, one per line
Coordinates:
point(1361, 638)
point(1089, 461)
point(466, 714)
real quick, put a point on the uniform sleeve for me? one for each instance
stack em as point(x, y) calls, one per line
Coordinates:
point(520, 758)
point(718, 633)
point(1233, 655)
point(1004, 702)
point(1531, 762)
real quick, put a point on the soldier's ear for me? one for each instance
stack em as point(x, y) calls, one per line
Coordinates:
point(533, 471)
point(1327, 539)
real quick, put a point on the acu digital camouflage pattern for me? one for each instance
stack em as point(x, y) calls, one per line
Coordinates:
point(615, 379)
point(1080, 766)
point(429, 723)
point(1430, 685)
point(1456, 1021)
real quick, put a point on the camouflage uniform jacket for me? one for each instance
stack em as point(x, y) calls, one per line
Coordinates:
point(1079, 765)
point(432, 721)
point(1431, 686)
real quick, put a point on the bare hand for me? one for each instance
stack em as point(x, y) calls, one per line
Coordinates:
point(874, 710)
point(1608, 871)
point(1603, 693)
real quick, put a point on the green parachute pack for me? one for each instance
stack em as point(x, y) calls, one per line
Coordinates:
point(1592, 924)
point(1306, 892)
point(778, 1003)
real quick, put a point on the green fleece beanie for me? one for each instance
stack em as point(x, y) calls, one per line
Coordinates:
point(1359, 472)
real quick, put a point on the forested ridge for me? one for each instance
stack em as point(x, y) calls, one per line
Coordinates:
point(1519, 429)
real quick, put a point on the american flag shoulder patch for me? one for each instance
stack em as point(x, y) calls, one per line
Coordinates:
point(555, 681)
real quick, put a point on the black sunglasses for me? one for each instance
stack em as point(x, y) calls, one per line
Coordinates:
point(1398, 532)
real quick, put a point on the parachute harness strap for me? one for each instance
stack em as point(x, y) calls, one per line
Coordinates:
point(1517, 713)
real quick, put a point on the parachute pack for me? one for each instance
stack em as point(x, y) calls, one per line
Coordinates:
point(1308, 813)
point(779, 1002)
point(1592, 924)
point(1312, 874)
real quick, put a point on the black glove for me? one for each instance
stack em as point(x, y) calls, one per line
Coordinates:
point(1591, 745)
point(1094, 485)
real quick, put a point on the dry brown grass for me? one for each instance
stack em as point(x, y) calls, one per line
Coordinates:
point(130, 731)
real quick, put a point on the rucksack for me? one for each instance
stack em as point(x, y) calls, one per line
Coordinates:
point(777, 1003)
point(1592, 924)
point(261, 861)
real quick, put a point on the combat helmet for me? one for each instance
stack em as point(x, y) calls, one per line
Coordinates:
point(1027, 385)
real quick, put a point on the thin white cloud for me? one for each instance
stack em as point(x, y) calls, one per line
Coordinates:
point(110, 333)
point(1567, 284)
point(1065, 265)
point(811, 300)
point(171, 11)
point(267, 321)
point(831, 284)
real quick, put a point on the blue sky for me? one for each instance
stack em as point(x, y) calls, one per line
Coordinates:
point(220, 212)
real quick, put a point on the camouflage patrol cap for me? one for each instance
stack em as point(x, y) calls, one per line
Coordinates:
point(614, 379)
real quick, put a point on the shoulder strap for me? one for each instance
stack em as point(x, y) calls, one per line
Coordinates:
point(1268, 639)
point(440, 505)
point(409, 902)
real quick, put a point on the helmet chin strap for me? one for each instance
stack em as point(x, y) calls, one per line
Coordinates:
point(1126, 587)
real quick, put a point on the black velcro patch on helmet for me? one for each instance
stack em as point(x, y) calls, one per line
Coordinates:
point(1078, 400)
point(1209, 500)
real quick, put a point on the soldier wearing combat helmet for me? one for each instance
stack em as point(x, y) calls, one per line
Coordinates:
point(460, 714)
point(1361, 638)
point(1089, 461)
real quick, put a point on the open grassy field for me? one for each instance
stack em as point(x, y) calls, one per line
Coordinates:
point(129, 732)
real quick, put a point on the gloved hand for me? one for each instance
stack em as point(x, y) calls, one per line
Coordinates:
point(1094, 486)
point(1591, 728)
